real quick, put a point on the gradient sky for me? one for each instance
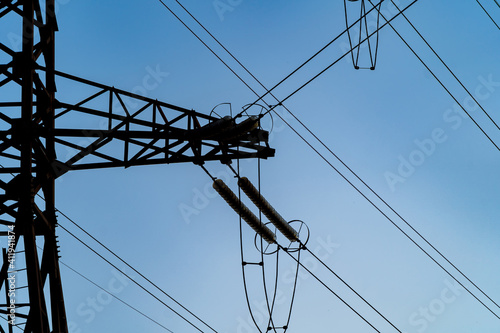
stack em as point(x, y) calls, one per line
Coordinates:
point(376, 121)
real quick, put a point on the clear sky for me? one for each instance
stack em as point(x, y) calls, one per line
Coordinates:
point(396, 127)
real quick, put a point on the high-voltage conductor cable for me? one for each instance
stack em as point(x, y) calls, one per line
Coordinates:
point(359, 191)
point(329, 66)
point(115, 297)
point(331, 290)
point(348, 181)
point(137, 283)
point(324, 145)
point(444, 64)
point(348, 286)
point(487, 13)
point(268, 91)
point(112, 295)
point(442, 61)
point(208, 47)
point(441, 83)
point(321, 142)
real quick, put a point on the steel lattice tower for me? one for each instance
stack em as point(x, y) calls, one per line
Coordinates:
point(150, 132)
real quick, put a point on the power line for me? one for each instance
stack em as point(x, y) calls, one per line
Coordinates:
point(208, 47)
point(370, 201)
point(491, 18)
point(348, 286)
point(328, 67)
point(338, 59)
point(135, 270)
point(488, 117)
point(268, 91)
point(359, 191)
point(330, 290)
point(116, 297)
point(444, 64)
point(130, 278)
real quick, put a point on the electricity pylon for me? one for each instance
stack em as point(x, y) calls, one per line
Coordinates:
point(42, 138)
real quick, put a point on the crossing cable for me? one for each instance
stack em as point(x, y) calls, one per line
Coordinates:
point(331, 65)
point(442, 84)
point(348, 181)
point(491, 18)
point(444, 64)
point(112, 295)
point(208, 47)
point(369, 200)
point(426, 241)
point(134, 281)
point(325, 146)
point(268, 91)
point(359, 191)
point(378, 196)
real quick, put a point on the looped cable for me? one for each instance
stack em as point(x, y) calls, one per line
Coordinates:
point(363, 31)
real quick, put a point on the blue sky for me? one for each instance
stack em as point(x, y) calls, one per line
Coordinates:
point(378, 122)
